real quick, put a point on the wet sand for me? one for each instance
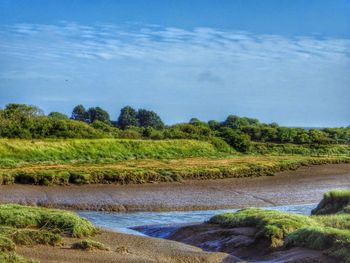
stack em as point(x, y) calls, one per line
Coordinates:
point(305, 185)
point(124, 249)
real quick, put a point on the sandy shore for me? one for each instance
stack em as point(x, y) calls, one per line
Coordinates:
point(124, 249)
point(305, 185)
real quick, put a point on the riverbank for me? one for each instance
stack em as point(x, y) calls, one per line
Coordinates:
point(304, 185)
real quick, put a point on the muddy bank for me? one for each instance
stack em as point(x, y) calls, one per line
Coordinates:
point(305, 185)
point(124, 248)
point(237, 241)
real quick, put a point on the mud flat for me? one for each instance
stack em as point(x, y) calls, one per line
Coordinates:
point(124, 248)
point(304, 185)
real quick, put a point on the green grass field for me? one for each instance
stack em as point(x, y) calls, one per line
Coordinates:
point(85, 161)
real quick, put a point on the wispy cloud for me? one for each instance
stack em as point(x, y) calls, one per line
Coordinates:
point(239, 68)
point(158, 43)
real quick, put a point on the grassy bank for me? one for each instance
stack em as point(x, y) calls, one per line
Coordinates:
point(29, 226)
point(14, 153)
point(84, 161)
point(329, 233)
point(148, 171)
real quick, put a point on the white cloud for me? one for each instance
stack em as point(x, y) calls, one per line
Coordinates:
point(243, 71)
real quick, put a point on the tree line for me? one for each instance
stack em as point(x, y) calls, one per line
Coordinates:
point(28, 121)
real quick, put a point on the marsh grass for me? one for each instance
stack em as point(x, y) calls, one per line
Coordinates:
point(148, 171)
point(56, 221)
point(329, 232)
point(29, 226)
point(14, 258)
point(88, 244)
point(14, 152)
point(333, 202)
point(271, 225)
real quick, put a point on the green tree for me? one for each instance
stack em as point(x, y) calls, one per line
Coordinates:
point(127, 117)
point(79, 113)
point(240, 142)
point(214, 125)
point(147, 118)
point(98, 114)
point(58, 115)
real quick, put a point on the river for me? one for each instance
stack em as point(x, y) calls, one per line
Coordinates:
point(125, 222)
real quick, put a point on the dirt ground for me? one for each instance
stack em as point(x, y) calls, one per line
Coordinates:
point(305, 185)
point(125, 249)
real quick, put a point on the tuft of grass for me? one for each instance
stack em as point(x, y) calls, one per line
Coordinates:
point(333, 202)
point(88, 244)
point(57, 221)
point(14, 258)
point(271, 225)
point(6, 244)
point(334, 242)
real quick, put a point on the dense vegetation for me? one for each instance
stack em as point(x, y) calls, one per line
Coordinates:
point(26, 121)
point(329, 233)
point(24, 225)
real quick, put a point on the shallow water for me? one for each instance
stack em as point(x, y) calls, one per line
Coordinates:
point(124, 221)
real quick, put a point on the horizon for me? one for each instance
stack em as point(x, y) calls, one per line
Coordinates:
point(282, 61)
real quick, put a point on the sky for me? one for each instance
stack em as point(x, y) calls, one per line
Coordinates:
point(284, 61)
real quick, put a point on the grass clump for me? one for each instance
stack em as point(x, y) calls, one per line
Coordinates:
point(333, 202)
point(327, 230)
point(14, 258)
point(56, 221)
point(6, 244)
point(88, 244)
point(334, 242)
point(271, 225)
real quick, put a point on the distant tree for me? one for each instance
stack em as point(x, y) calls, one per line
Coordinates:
point(98, 114)
point(127, 117)
point(147, 118)
point(214, 125)
point(22, 110)
point(79, 113)
point(58, 115)
point(318, 137)
point(240, 142)
point(195, 121)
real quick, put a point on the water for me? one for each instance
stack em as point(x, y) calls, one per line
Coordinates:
point(124, 221)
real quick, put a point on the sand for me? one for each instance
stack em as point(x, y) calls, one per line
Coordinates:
point(124, 248)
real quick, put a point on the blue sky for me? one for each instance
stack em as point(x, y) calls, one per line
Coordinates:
point(286, 61)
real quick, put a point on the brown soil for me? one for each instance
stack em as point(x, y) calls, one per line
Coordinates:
point(305, 185)
point(124, 248)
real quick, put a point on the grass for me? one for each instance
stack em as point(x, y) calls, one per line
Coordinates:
point(57, 221)
point(88, 244)
point(328, 232)
point(14, 152)
point(333, 202)
point(25, 225)
point(271, 225)
point(147, 171)
point(122, 161)
point(14, 258)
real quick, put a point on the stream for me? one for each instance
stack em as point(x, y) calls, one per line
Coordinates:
point(147, 222)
